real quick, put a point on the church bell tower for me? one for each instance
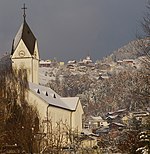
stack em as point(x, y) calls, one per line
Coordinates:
point(25, 53)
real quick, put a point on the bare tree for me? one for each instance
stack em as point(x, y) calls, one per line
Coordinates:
point(17, 123)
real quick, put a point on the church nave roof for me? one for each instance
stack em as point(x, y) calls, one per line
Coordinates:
point(52, 98)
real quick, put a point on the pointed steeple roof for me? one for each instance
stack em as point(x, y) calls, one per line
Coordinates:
point(27, 36)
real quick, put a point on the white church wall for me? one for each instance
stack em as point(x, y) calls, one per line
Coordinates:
point(36, 51)
point(38, 103)
point(23, 64)
point(21, 47)
point(58, 114)
point(36, 64)
point(77, 117)
point(54, 113)
point(35, 71)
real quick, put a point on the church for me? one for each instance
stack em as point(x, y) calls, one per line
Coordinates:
point(50, 105)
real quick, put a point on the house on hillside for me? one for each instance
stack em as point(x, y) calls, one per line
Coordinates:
point(45, 63)
point(141, 116)
point(116, 126)
point(96, 122)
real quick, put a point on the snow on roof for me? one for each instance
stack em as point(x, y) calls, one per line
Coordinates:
point(119, 61)
point(111, 112)
point(45, 62)
point(112, 117)
point(52, 98)
point(70, 101)
point(121, 110)
point(118, 124)
point(128, 60)
point(105, 77)
point(96, 118)
point(87, 131)
point(71, 61)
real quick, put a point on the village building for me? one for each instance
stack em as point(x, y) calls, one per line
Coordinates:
point(96, 122)
point(45, 63)
point(50, 105)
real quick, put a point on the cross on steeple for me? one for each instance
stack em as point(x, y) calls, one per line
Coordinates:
point(24, 11)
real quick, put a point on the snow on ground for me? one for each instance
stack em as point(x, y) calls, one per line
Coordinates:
point(44, 75)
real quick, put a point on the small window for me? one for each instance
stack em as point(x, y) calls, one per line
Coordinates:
point(46, 93)
point(38, 91)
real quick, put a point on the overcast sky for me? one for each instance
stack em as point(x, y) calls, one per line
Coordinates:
point(72, 29)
